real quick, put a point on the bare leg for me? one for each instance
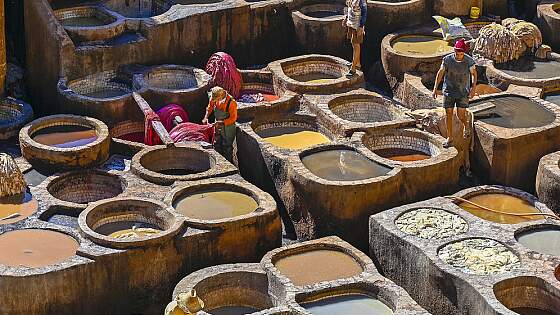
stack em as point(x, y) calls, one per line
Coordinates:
point(355, 56)
point(461, 112)
point(449, 123)
point(358, 55)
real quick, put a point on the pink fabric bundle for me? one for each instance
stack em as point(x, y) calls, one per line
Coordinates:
point(221, 67)
point(169, 112)
point(150, 135)
point(192, 132)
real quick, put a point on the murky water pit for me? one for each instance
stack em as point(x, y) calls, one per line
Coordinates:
point(531, 68)
point(214, 204)
point(343, 165)
point(515, 112)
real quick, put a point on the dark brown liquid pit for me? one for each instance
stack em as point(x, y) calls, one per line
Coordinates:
point(343, 165)
point(530, 311)
point(402, 155)
point(176, 172)
point(65, 136)
point(321, 14)
point(118, 228)
point(233, 310)
point(16, 208)
point(36, 248)
point(107, 93)
point(502, 203)
point(316, 266)
point(515, 112)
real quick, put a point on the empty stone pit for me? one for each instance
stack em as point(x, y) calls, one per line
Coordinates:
point(128, 137)
point(83, 187)
point(527, 295)
point(65, 142)
point(105, 95)
point(13, 115)
point(129, 222)
point(511, 138)
point(89, 23)
point(165, 165)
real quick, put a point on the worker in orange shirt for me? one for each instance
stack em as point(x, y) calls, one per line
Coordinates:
point(224, 108)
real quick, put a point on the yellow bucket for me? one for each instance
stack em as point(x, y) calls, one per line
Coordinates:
point(475, 12)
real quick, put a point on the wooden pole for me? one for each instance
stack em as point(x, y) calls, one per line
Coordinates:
point(158, 126)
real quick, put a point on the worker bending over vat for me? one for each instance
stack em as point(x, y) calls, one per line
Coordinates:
point(459, 76)
point(224, 108)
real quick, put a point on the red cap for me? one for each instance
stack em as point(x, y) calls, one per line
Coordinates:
point(460, 45)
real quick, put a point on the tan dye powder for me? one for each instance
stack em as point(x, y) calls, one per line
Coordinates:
point(216, 205)
point(35, 248)
point(316, 266)
point(298, 140)
point(503, 203)
point(421, 45)
point(24, 205)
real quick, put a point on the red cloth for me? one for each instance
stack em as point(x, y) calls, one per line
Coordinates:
point(169, 112)
point(192, 132)
point(221, 67)
point(150, 135)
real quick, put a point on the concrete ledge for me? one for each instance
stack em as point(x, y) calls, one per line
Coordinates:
point(548, 181)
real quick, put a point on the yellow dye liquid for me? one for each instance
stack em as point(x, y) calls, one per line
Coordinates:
point(216, 205)
point(297, 140)
point(503, 203)
point(421, 45)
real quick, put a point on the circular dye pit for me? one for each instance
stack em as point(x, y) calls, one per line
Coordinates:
point(65, 136)
point(16, 208)
point(232, 310)
point(402, 155)
point(343, 165)
point(309, 267)
point(530, 68)
point(528, 296)
point(479, 256)
point(530, 311)
point(515, 112)
point(83, 17)
point(35, 248)
point(138, 8)
point(293, 138)
point(351, 304)
point(323, 11)
point(431, 223)
point(128, 229)
point(503, 203)
point(553, 98)
point(215, 205)
point(85, 187)
point(176, 161)
point(421, 45)
point(129, 131)
point(101, 85)
point(364, 109)
point(543, 240)
point(176, 79)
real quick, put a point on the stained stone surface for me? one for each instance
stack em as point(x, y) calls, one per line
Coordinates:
point(431, 223)
point(479, 256)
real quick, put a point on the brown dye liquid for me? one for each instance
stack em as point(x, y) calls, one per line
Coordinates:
point(515, 112)
point(503, 203)
point(24, 205)
point(421, 45)
point(232, 310)
point(65, 136)
point(485, 89)
point(343, 165)
point(316, 266)
point(117, 229)
point(530, 311)
point(402, 155)
point(35, 248)
point(293, 138)
point(215, 205)
point(82, 21)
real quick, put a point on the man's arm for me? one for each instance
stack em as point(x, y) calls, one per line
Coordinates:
point(439, 77)
point(209, 110)
point(363, 15)
point(474, 80)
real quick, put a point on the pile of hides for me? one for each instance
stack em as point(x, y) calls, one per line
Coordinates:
point(509, 41)
point(223, 71)
point(11, 179)
point(192, 132)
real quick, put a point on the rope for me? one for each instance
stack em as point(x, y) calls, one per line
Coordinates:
point(554, 216)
